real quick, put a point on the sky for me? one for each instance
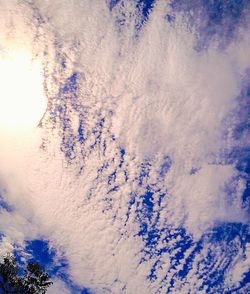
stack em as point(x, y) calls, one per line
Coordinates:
point(124, 143)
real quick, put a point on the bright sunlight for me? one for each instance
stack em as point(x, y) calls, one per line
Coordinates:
point(22, 99)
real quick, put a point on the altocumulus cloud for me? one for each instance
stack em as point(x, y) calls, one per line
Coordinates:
point(137, 170)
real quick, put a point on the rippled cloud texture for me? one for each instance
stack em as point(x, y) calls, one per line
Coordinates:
point(137, 174)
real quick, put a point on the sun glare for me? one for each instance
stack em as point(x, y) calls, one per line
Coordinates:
point(22, 99)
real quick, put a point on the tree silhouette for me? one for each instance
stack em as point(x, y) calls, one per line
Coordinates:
point(34, 279)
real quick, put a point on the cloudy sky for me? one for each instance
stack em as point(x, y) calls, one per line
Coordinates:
point(124, 143)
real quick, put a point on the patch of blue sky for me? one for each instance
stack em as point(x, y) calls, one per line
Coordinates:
point(240, 157)
point(223, 246)
point(114, 186)
point(68, 145)
point(228, 232)
point(113, 3)
point(165, 167)
point(74, 288)
point(5, 205)
point(146, 5)
point(216, 11)
point(213, 18)
point(122, 153)
point(177, 243)
point(187, 266)
point(70, 90)
point(170, 18)
point(81, 135)
point(244, 285)
point(143, 9)
point(144, 172)
point(3, 202)
point(240, 154)
point(111, 179)
point(40, 251)
point(68, 96)
point(147, 215)
point(220, 9)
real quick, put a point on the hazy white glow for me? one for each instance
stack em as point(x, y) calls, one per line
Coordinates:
point(22, 100)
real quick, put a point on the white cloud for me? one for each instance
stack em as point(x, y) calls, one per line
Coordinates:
point(6, 246)
point(58, 287)
point(158, 97)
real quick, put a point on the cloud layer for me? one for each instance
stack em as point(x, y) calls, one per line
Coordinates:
point(138, 160)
